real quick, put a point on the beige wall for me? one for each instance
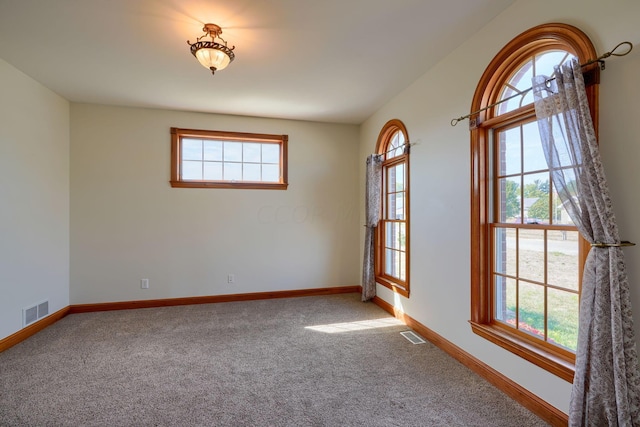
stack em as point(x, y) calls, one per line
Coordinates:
point(440, 176)
point(34, 197)
point(127, 223)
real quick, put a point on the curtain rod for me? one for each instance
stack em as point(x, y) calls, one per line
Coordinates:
point(406, 146)
point(599, 60)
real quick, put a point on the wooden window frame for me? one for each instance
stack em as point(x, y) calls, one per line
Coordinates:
point(382, 146)
point(176, 160)
point(537, 39)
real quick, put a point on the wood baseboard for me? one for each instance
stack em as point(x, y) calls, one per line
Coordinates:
point(128, 305)
point(32, 329)
point(544, 410)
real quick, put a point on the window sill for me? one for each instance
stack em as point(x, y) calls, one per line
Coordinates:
point(238, 185)
point(545, 359)
point(393, 286)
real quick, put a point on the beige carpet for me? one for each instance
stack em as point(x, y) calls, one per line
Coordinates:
point(312, 361)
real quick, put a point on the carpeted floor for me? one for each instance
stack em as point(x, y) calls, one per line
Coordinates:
point(312, 361)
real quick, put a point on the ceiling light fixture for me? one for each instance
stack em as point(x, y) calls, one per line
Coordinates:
point(211, 54)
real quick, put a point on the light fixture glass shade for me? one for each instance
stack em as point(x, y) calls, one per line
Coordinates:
point(215, 58)
point(211, 54)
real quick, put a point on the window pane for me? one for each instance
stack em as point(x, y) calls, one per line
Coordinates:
point(560, 214)
point(547, 60)
point(213, 171)
point(388, 262)
point(392, 237)
point(233, 171)
point(505, 251)
point(251, 172)
point(391, 207)
point(398, 184)
point(402, 236)
point(392, 264)
point(402, 267)
point(395, 206)
point(534, 159)
point(192, 170)
point(396, 235)
point(509, 200)
point(562, 323)
point(509, 154)
point(562, 258)
point(512, 103)
point(399, 213)
point(531, 254)
point(392, 173)
point(521, 79)
point(270, 153)
point(191, 149)
point(536, 198)
point(232, 152)
point(213, 150)
point(519, 82)
point(251, 152)
point(526, 99)
point(395, 147)
point(270, 173)
point(531, 309)
point(394, 142)
point(505, 299)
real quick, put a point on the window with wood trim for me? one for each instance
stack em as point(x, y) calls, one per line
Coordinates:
point(526, 254)
point(392, 237)
point(215, 159)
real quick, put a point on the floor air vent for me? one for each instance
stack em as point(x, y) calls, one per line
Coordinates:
point(35, 312)
point(413, 337)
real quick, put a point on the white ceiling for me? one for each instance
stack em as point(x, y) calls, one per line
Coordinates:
point(321, 60)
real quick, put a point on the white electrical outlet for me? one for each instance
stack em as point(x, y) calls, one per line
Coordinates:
point(231, 278)
point(144, 284)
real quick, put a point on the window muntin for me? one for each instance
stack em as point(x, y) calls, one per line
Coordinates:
point(392, 238)
point(520, 82)
point(228, 159)
point(214, 160)
point(514, 210)
point(396, 146)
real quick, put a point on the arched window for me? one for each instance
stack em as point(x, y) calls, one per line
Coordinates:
point(392, 238)
point(526, 254)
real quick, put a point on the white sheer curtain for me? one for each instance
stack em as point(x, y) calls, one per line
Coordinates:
point(373, 199)
point(606, 386)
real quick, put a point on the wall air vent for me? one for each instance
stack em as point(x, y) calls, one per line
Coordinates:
point(413, 337)
point(34, 313)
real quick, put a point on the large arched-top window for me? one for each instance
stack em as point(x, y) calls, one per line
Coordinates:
point(392, 238)
point(526, 254)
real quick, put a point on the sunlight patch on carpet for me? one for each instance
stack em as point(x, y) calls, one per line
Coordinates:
point(360, 325)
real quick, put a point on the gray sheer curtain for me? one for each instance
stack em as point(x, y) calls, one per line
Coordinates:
point(372, 208)
point(606, 386)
